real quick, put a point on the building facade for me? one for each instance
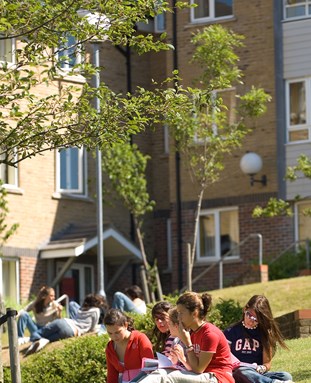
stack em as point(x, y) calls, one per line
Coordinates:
point(56, 241)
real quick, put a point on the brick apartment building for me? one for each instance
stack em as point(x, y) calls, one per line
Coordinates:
point(56, 241)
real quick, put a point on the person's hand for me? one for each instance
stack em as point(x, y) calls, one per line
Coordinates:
point(184, 334)
point(178, 352)
point(261, 369)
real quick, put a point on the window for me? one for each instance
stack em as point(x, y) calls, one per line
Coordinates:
point(298, 116)
point(71, 170)
point(207, 10)
point(69, 53)
point(218, 234)
point(222, 111)
point(7, 48)
point(297, 9)
point(8, 174)
point(303, 221)
point(10, 279)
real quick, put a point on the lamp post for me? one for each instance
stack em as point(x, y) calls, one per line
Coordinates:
point(102, 22)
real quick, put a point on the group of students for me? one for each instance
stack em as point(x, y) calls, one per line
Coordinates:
point(199, 350)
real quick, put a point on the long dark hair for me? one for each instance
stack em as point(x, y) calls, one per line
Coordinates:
point(119, 318)
point(39, 305)
point(271, 334)
point(134, 292)
point(95, 300)
point(157, 310)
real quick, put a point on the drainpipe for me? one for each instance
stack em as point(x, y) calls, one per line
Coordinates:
point(177, 164)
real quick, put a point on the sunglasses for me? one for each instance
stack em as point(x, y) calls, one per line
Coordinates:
point(250, 316)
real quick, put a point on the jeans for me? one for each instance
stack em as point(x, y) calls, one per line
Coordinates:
point(23, 321)
point(250, 375)
point(123, 303)
point(56, 330)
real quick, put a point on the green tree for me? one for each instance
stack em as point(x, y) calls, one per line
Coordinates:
point(30, 123)
point(204, 132)
point(126, 168)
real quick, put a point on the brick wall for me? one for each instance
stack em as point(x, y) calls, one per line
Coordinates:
point(296, 324)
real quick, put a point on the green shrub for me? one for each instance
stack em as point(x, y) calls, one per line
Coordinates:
point(287, 266)
point(229, 311)
point(80, 360)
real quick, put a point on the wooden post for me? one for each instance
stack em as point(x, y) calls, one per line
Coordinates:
point(144, 283)
point(13, 346)
point(159, 286)
point(189, 268)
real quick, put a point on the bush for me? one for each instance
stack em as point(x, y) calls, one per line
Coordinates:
point(81, 360)
point(287, 266)
point(229, 311)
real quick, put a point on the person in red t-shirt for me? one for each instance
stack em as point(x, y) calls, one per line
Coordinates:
point(126, 349)
point(208, 352)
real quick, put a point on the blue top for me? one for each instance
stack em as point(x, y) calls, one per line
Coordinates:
point(245, 344)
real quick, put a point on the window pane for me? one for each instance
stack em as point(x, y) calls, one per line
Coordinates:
point(223, 8)
point(8, 174)
point(304, 222)
point(71, 51)
point(297, 93)
point(229, 232)
point(69, 169)
point(207, 236)
point(6, 50)
point(88, 280)
point(202, 9)
point(9, 280)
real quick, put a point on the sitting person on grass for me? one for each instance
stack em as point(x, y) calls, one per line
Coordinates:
point(253, 341)
point(131, 301)
point(86, 320)
point(45, 309)
point(126, 349)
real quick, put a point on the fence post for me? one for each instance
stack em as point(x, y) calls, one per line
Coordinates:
point(13, 346)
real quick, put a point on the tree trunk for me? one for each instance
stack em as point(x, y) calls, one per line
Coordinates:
point(195, 238)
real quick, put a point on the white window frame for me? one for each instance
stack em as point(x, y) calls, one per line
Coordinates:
point(3, 52)
point(231, 110)
point(299, 127)
point(216, 213)
point(211, 17)
point(3, 166)
point(65, 65)
point(303, 4)
point(82, 171)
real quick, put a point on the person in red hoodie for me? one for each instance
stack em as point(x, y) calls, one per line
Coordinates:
point(126, 349)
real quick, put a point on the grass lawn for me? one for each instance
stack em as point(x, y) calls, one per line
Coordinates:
point(285, 295)
point(296, 360)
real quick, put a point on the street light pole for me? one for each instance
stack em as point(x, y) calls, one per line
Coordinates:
point(99, 183)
